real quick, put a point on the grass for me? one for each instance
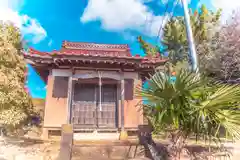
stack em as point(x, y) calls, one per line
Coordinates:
point(162, 137)
point(38, 101)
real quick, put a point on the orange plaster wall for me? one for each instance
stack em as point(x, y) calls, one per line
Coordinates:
point(55, 109)
point(132, 113)
point(133, 117)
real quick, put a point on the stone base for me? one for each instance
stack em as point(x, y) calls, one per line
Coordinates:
point(45, 133)
point(96, 136)
point(104, 152)
point(123, 135)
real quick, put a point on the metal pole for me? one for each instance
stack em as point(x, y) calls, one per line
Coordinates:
point(190, 37)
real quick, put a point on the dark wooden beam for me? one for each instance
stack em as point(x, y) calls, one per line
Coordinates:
point(69, 99)
point(60, 62)
point(42, 72)
point(122, 101)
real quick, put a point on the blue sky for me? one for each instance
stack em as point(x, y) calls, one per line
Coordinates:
point(46, 23)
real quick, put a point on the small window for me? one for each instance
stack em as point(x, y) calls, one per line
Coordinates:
point(129, 89)
point(84, 92)
point(60, 87)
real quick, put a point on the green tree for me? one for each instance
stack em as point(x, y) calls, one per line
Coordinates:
point(191, 106)
point(15, 103)
point(204, 25)
point(148, 48)
point(174, 40)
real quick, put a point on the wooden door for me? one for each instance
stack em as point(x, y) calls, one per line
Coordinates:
point(89, 111)
point(84, 105)
point(107, 108)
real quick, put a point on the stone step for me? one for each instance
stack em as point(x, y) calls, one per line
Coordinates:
point(96, 136)
point(109, 152)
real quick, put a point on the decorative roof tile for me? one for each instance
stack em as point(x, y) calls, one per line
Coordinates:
point(95, 46)
point(101, 53)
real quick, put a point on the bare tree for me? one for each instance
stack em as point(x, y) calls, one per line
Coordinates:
point(220, 57)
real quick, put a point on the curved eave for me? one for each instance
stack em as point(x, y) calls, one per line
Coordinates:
point(71, 60)
point(77, 53)
point(38, 60)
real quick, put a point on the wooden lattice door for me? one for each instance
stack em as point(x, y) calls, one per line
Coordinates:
point(84, 105)
point(106, 111)
point(89, 111)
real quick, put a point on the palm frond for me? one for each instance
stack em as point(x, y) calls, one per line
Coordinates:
point(192, 105)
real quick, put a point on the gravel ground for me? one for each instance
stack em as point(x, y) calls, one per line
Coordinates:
point(19, 150)
point(13, 149)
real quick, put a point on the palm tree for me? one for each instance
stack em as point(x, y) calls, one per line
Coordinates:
point(191, 105)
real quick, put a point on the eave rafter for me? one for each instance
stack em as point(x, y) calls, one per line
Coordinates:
point(77, 61)
point(86, 54)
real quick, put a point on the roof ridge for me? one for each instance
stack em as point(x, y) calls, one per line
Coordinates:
point(125, 44)
point(93, 45)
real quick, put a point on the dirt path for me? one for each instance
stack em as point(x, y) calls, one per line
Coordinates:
point(16, 149)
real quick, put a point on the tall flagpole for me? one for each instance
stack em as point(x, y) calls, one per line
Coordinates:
point(192, 49)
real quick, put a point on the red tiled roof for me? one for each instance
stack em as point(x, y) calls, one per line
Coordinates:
point(36, 52)
point(77, 49)
point(85, 53)
point(103, 53)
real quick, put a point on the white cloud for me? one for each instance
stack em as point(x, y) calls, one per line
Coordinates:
point(29, 27)
point(147, 1)
point(120, 15)
point(226, 5)
point(50, 42)
point(13, 4)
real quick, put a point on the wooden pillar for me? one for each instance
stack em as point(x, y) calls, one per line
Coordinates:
point(100, 90)
point(69, 99)
point(123, 133)
point(122, 104)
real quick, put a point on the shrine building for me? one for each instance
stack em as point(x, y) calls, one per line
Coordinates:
point(92, 86)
